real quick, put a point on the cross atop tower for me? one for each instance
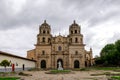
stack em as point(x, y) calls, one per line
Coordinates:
point(74, 22)
point(44, 21)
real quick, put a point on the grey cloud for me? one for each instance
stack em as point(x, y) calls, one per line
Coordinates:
point(114, 38)
point(59, 12)
point(95, 11)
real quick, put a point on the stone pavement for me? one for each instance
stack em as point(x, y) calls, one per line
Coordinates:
point(77, 75)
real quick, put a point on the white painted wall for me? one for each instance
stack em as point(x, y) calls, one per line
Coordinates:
point(19, 61)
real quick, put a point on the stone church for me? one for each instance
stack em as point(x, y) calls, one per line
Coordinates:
point(70, 50)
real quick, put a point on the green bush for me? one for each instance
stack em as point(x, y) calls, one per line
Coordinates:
point(34, 69)
point(81, 69)
point(24, 74)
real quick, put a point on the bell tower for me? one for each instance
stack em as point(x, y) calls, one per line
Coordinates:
point(44, 36)
point(75, 36)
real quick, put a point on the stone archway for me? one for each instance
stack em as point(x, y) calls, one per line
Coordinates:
point(76, 64)
point(60, 61)
point(43, 64)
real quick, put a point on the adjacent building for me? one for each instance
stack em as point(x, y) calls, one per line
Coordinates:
point(20, 63)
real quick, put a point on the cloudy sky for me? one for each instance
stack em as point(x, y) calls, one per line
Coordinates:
point(20, 20)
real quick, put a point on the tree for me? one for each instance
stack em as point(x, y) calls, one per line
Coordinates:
point(108, 49)
point(110, 55)
point(117, 45)
point(5, 63)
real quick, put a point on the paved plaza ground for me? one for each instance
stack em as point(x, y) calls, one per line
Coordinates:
point(74, 75)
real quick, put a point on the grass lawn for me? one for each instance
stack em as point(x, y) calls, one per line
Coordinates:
point(103, 68)
point(9, 78)
point(116, 77)
point(117, 69)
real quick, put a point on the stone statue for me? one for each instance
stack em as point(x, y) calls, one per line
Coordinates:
point(59, 66)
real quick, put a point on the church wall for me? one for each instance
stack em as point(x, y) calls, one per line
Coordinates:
point(31, 54)
point(68, 49)
point(81, 53)
point(46, 56)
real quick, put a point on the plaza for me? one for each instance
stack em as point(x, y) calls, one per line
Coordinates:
point(75, 75)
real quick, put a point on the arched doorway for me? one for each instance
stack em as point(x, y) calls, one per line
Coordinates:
point(60, 61)
point(43, 64)
point(76, 64)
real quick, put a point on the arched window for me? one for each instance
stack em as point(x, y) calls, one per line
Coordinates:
point(75, 31)
point(59, 48)
point(43, 52)
point(76, 40)
point(43, 39)
point(43, 31)
point(76, 52)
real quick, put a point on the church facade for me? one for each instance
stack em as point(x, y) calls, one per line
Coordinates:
point(70, 51)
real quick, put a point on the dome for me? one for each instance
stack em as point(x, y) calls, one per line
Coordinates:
point(44, 28)
point(74, 25)
point(74, 28)
point(45, 25)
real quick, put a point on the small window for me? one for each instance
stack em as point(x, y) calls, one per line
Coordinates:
point(76, 40)
point(59, 48)
point(76, 52)
point(43, 52)
point(44, 31)
point(43, 39)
